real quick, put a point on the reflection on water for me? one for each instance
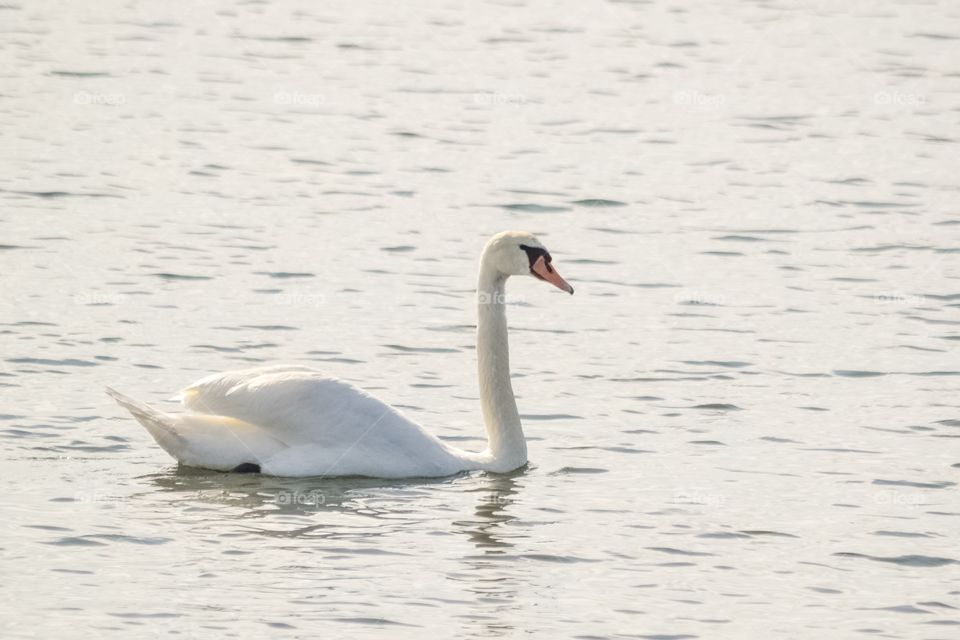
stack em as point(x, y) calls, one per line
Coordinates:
point(489, 530)
point(264, 497)
point(497, 591)
point(259, 496)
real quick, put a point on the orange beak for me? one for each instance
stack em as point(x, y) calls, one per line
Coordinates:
point(543, 270)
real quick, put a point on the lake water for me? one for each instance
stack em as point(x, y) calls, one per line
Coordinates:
point(744, 423)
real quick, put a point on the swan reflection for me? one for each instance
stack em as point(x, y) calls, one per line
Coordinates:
point(264, 496)
point(259, 496)
point(494, 494)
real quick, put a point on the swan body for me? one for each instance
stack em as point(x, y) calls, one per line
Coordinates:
point(294, 421)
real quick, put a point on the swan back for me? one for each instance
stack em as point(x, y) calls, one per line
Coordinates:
point(323, 419)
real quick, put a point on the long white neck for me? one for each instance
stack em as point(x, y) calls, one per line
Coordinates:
point(507, 448)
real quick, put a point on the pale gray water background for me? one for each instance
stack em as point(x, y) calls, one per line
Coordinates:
point(744, 424)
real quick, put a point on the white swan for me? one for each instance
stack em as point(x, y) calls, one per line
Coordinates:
point(293, 421)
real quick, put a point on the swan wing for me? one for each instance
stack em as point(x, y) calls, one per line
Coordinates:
point(207, 393)
point(203, 440)
point(303, 406)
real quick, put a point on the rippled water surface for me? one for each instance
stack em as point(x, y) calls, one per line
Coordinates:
point(743, 425)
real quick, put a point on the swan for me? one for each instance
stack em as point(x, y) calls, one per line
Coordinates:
point(294, 421)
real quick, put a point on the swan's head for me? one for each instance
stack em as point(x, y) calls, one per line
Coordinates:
point(518, 253)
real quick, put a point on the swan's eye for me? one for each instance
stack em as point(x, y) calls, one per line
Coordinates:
point(535, 252)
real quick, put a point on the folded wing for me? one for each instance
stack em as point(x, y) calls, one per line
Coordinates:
point(299, 405)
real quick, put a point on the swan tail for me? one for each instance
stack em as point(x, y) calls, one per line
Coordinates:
point(159, 424)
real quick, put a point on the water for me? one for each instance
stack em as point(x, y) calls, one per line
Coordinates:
point(744, 422)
